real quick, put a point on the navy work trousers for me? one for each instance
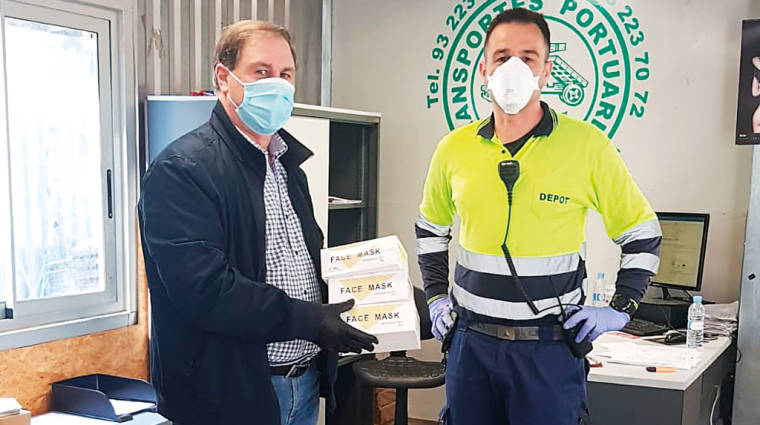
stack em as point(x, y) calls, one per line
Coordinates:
point(490, 381)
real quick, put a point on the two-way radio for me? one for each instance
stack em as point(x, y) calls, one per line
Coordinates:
point(509, 172)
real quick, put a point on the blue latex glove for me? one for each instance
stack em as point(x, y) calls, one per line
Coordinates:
point(441, 316)
point(598, 320)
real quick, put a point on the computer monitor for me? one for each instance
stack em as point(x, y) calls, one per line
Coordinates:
point(682, 252)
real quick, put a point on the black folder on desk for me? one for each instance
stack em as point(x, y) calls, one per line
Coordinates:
point(91, 396)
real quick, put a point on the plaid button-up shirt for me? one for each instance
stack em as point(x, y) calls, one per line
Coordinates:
point(289, 265)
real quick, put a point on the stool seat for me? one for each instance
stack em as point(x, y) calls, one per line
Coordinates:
point(400, 372)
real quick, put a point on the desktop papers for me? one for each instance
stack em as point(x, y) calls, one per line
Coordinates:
point(126, 407)
point(9, 406)
point(721, 319)
point(649, 354)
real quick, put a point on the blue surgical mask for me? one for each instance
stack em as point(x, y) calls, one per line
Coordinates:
point(267, 104)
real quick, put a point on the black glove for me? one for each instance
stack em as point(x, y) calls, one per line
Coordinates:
point(337, 335)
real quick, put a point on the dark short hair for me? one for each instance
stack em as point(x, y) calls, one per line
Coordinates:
point(522, 16)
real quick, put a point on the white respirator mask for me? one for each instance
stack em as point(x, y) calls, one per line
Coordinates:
point(512, 85)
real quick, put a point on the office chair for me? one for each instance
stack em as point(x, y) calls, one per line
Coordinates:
point(401, 372)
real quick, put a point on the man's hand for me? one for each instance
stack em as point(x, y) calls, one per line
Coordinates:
point(337, 335)
point(441, 317)
point(597, 320)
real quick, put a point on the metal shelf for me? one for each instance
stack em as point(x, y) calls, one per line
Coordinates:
point(347, 206)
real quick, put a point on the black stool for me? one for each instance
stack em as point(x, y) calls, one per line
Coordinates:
point(401, 372)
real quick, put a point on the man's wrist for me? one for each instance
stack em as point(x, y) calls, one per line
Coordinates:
point(437, 297)
point(624, 304)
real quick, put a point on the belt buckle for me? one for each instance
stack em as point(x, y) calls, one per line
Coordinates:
point(508, 333)
point(292, 372)
point(295, 369)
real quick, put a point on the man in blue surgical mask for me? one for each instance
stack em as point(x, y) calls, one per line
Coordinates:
point(240, 331)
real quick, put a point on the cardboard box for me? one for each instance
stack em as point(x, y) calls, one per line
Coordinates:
point(363, 258)
point(22, 418)
point(396, 325)
point(372, 289)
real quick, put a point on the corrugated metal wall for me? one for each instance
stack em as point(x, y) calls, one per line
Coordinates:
point(176, 41)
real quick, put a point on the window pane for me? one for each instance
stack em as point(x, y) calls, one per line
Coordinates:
point(56, 176)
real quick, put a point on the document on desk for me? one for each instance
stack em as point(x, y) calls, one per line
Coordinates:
point(721, 319)
point(125, 407)
point(9, 406)
point(57, 418)
point(646, 354)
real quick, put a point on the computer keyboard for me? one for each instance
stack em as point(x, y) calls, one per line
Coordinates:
point(640, 327)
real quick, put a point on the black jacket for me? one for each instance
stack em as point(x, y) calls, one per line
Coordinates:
point(203, 231)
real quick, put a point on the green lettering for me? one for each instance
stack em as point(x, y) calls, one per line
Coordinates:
point(459, 94)
point(568, 6)
point(500, 8)
point(485, 22)
point(536, 5)
point(584, 18)
point(611, 73)
point(609, 48)
point(463, 113)
point(600, 125)
point(606, 111)
point(542, 197)
point(460, 75)
point(462, 57)
point(598, 32)
point(474, 42)
point(517, 3)
point(609, 90)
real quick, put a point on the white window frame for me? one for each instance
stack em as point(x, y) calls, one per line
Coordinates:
point(38, 321)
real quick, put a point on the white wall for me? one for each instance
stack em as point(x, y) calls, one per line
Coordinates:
point(681, 151)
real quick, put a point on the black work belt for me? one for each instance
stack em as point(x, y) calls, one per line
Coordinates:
point(518, 333)
point(293, 371)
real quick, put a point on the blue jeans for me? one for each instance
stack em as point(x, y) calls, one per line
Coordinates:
point(298, 397)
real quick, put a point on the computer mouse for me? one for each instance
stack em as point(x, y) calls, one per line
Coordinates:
point(675, 338)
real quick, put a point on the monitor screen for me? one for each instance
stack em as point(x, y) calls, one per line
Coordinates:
point(748, 109)
point(682, 252)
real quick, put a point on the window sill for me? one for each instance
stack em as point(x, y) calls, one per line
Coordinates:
point(70, 329)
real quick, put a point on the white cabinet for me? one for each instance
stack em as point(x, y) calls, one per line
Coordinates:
point(314, 133)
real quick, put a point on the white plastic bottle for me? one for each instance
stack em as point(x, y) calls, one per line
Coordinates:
point(609, 291)
point(696, 326)
point(597, 297)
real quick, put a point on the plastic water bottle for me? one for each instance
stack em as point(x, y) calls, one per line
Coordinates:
point(597, 297)
point(695, 331)
point(609, 291)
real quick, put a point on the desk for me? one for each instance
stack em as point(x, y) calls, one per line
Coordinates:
point(56, 418)
point(629, 395)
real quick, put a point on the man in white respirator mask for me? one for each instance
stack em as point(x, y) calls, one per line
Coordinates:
point(513, 324)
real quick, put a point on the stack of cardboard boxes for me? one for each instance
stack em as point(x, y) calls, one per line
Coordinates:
point(375, 274)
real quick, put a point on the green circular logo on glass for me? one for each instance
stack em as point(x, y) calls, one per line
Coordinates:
point(600, 62)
